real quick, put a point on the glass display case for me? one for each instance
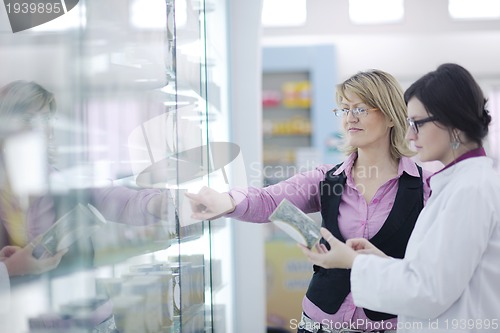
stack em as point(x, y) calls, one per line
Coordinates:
point(138, 117)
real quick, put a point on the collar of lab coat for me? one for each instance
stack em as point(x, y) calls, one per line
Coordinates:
point(465, 168)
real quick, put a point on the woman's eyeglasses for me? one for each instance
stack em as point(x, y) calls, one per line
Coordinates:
point(356, 112)
point(415, 124)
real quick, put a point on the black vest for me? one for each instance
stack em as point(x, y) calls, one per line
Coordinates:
point(329, 287)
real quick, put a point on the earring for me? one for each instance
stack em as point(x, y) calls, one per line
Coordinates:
point(455, 143)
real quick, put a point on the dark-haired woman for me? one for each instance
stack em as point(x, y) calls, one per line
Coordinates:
point(448, 279)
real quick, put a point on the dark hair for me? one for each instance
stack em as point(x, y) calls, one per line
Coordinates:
point(451, 94)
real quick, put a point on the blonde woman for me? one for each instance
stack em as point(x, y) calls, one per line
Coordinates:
point(383, 191)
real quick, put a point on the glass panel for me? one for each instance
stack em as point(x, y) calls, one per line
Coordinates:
point(226, 163)
point(98, 152)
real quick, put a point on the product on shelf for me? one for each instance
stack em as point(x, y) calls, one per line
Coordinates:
point(164, 273)
point(149, 287)
point(296, 125)
point(85, 315)
point(197, 277)
point(128, 313)
point(271, 98)
point(297, 94)
point(191, 231)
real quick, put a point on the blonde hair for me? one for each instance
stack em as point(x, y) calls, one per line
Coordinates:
point(380, 90)
point(19, 97)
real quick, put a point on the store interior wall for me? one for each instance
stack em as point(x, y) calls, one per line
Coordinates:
point(245, 126)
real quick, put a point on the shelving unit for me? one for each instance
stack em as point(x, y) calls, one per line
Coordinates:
point(286, 122)
point(313, 65)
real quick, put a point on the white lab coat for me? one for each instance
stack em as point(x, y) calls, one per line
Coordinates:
point(449, 280)
point(4, 289)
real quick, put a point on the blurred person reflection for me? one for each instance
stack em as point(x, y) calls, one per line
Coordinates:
point(29, 106)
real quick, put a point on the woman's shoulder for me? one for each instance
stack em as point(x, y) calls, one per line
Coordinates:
point(484, 173)
point(413, 167)
point(473, 175)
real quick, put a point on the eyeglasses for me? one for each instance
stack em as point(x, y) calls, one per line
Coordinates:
point(356, 112)
point(38, 119)
point(415, 124)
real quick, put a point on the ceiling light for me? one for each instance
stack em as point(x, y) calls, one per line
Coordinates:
point(284, 13)
point(376, 11)
point(474, 9)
